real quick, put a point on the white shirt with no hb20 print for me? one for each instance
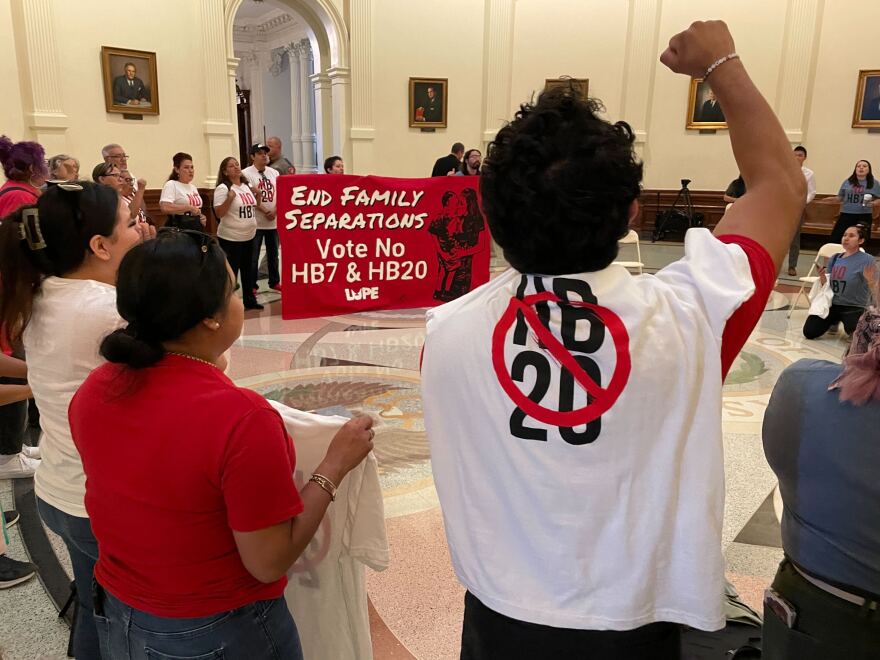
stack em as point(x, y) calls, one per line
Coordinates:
point(263, 185)
point(606, 524)
point(240, 221)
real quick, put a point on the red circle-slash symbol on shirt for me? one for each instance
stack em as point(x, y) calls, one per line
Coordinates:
point(603, 398)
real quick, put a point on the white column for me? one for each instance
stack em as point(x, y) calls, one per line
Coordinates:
point(323, 116)
point(45, 117)
point(799, 52)
point(340, 88)
point(362, 70)
point(254, 62)
point(498, 65)
point(639, 67)
point(296, 124)
point(307, 107)
point(221, 124)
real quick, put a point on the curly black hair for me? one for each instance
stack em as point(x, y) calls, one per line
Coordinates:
point(558, 183)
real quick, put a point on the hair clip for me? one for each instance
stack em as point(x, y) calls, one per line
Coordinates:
point(31, 218)
point(70, 186)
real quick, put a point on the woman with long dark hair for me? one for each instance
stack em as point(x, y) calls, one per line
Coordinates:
point(58, 263)
point(180, 199)
point(858, 195)
point(236, 206)
point(196, 513)
point(852, 276)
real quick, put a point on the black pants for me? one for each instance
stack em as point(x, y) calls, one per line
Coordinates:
point(826, 627)
point(815, 326)
point(847, 220)
point(240, 255)
point(270, 236)
point(487, 635)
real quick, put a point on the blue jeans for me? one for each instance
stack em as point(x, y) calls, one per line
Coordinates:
point(83, 549)
point(271, 238)
point(259, 630)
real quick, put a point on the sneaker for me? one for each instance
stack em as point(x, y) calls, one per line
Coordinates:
point(13, 572)
point(19, 466)
point(276, 287)
point(31, 452)
point(834, 329)
point(253, 305)
point(11, 517)
point(792, 272)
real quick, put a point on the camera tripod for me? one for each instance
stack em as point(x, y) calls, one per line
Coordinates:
point(674, 215)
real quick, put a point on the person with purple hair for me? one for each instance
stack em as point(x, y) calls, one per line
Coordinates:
point(821, 441)
point(25, 169)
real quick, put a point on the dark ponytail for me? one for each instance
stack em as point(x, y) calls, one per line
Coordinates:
point(50, 237)
point(177, 161)
point(164, 288)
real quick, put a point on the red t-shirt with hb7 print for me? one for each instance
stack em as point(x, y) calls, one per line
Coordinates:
point(176, 457)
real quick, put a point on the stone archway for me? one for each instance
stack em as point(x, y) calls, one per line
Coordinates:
point(331, 80)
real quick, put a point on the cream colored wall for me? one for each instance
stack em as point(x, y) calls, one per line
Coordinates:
point(170, 29)
point(432, 40)
point(614, 44)
point(11, 117)
point(834, 147)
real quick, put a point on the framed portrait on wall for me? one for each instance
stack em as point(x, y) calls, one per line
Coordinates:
point(428, 102)
point(131, 83)
point(703, 109)
point(580, 85)
point(867, 111)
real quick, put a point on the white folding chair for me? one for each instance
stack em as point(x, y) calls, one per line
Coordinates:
point(825, 252)
point(632, 237)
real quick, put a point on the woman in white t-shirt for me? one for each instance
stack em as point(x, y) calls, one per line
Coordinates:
point(180, 199)
point(236, 207)
point(58, 263)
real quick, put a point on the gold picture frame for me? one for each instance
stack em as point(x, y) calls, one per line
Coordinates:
point(127, 94)
point(866, 113)
point(427, 110)
point(703, 111)
point(580, 85)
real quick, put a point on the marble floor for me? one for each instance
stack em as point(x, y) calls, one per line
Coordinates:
point(369, 362)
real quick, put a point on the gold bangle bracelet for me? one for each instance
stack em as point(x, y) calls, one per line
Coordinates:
point(326, 484)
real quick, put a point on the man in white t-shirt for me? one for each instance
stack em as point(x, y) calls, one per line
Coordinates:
point(261, 179)
point(573, 409)
point(794, 251)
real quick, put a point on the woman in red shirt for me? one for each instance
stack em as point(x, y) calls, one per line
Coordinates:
point(25, 170)
point(189, 479)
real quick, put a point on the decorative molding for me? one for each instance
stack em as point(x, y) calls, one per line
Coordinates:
point(277, 65)
point(361, 133)
point(799, 51)
point(215, 72)
point(497, 71)
point(361, 22)
point(47, 102)
point(278, 23)
point(639, 68)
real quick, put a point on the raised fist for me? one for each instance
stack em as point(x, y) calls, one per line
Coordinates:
point(693, 51)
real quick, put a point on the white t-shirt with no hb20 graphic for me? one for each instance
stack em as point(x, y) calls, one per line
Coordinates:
point(263, 185)
point(599, 511)
point(175, 192)
point(240, 221)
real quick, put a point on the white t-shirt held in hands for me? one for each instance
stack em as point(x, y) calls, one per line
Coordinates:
point(263, 185)
point(175, 192)
point(240, 221)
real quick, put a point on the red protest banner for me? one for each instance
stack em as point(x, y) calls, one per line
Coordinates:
point(355, 243)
